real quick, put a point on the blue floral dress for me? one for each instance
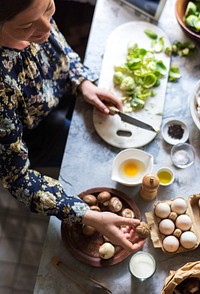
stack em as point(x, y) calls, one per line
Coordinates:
point(32, 81)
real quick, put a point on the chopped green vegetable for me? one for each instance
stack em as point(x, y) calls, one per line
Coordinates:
point(183, 48)
point(127, 84)
point(151, 34)
point(174, 73)
point(158, 45)
point(140, 72)
point(149, 80)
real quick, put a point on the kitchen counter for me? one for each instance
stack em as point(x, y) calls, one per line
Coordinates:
point(87, 163)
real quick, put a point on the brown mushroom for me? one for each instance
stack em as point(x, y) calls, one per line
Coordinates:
point(90, 199)
point(127, 212)
point(88, 230)
point(115, 204)
point(143, 230)
point(95, 207)
point(104, 198)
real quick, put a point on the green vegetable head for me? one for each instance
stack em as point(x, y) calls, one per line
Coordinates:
point(190, 9)
point(118, 78)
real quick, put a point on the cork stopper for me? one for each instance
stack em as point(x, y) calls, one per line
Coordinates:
point(150, 184)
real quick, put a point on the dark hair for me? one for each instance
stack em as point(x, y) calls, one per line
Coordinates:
point(10, 8)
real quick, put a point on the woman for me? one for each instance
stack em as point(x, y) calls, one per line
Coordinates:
point(37, 69)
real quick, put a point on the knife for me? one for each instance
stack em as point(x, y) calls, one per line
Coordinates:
point(131, 120)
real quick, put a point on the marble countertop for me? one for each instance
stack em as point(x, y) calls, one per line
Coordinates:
point(87, 163)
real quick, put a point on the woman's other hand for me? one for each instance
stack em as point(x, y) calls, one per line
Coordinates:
point(99, 97)
point(119, 230)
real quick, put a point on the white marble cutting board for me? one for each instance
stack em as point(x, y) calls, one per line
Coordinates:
point(108, 127)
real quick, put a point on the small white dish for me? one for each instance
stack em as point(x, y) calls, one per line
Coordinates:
point(195, 104)
point(175, 131)
point(130, 166)
point(165, 175)
point(182, 155)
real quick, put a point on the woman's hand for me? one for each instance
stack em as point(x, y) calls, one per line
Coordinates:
point(119, 230)
point(96, 96)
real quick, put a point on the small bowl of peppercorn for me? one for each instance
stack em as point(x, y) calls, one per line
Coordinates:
point(175, 131)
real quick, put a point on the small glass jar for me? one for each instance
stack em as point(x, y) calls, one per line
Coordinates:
point(182, 155)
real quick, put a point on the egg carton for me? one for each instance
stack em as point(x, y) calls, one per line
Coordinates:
point(193, 210)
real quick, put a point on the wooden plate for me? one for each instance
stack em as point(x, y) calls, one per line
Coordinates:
point(86, 248)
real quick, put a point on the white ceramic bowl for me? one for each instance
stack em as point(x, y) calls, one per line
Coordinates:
point(172, 139)
point(131, 165)
point(194, 104)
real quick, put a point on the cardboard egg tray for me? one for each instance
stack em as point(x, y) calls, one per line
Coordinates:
point(193, 210)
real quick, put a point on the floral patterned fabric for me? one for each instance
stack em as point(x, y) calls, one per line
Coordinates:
point(32, 81)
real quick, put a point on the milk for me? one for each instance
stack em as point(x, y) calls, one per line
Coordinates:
point(142, 265)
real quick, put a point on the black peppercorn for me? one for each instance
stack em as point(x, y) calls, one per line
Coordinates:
point(176, 131)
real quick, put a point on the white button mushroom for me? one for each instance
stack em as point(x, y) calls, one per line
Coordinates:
point(106, 250)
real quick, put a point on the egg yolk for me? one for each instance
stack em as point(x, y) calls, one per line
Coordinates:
point(130, 168)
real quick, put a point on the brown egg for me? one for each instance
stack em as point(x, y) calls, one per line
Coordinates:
point(183, 222)
point(188, 240)
point(162, 210)
point(166, 226)
point(171, 244)
point(179, 205)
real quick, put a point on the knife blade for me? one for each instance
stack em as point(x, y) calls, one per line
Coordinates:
point(133, 121)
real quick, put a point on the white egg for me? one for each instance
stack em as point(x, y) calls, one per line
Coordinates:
point(166, 226)
point(162, 210)
point(179, 205)
point(188, 240)
point(183, 222)
point(171, 244)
